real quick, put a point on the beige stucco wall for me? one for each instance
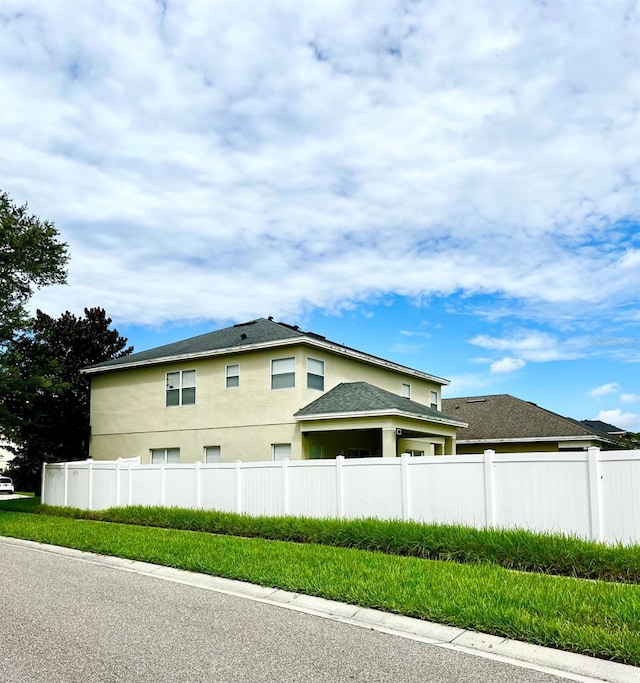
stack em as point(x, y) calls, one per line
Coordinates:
point(519, 447)
point(129, 417)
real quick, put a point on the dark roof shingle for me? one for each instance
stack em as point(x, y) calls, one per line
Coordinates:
point(362, 397)
point(502, 416)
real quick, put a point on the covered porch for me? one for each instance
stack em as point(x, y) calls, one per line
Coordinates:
point(358, 420)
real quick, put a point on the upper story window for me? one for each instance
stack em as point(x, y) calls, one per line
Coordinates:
point(406, 390)
point(181, 388)
point(434, 400)
point(164, 456)
point(232, 374)
point(283, 373)
point(315, 374)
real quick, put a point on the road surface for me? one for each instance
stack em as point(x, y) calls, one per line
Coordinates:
point(67, 620)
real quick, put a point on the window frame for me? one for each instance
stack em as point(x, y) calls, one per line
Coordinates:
point(283, 374)
point(165, 452)
point(311, 375)
point(228, 376)
point(180, 388)
point(433, 404)
point(274, 446)
point(405, 390)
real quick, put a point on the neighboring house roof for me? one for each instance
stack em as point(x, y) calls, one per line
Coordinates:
point(603, 427)
point(502, 417)
point(351, 398)
point(254, 334)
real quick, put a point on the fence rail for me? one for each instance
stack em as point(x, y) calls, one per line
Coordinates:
point(590, 494)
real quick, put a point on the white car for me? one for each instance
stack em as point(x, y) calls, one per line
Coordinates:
point(6, 485)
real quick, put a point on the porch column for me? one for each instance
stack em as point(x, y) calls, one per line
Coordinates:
point(389, 447)
point(449, 445)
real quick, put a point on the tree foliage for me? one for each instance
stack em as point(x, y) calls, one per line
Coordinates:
point(46, 415)
point(31, 256)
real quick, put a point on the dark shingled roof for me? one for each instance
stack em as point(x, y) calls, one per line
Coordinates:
point(362, 397)
point(604, 427)
point(502, 416)
point(254, 332)
point(244, 334)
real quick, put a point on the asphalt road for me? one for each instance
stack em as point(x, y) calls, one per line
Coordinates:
point(62, 619)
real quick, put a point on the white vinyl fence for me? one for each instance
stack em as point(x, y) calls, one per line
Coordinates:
point(590, 494)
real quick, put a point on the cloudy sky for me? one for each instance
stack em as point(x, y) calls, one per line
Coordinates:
point(453, 186)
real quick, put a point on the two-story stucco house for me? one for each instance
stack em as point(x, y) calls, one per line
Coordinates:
point(263, 390)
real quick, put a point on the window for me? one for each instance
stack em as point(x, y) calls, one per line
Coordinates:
point(181, 388)
point(232, 374)
point(281, 451)
point(315, 374)
point(163, 456)
point(212, 454)
point(406, 390)
point(434, 400)
point(283, 373)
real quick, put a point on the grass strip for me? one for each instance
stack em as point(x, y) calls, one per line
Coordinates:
point(590, 617)
point(513, 549)
point(595, 618)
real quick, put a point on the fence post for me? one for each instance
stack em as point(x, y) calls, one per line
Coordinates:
point(595, 493)
point(238, 487)
point(198, 486)
point(90, 478)
point(340, 486)
point(44, 478)
point(285, 486)
point(162, 484)
point(118, 461)
point(129, 486)
point(65, 497)
point(489, 494)
point(404, 477)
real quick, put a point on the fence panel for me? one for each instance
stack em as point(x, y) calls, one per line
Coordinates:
point(78, 485)
point(218, 487)
point(53, 490)
point(543, 492)
point(372, 488)
point(146, 488)
point(620, 489)
point(262, 491)
point(179, 486)
point(313, 490)
point(592, 495)
point(450, 492)
point(104, 487)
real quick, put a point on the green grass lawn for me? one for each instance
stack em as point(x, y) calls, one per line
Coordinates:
point(600, 618)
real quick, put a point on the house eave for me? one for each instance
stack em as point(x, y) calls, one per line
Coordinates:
point(378, 413)
point(534, 439)
point(317, 343)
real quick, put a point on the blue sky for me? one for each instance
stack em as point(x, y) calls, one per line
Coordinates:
point(453, 186)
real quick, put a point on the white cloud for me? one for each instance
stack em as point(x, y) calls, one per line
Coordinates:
point(605, 389)
point(507, 365)
point(530, 346)
point(629, 398)
point(218, 160)
point(628, 421)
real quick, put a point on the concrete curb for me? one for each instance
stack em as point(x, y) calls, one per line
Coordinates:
point(557, 662)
